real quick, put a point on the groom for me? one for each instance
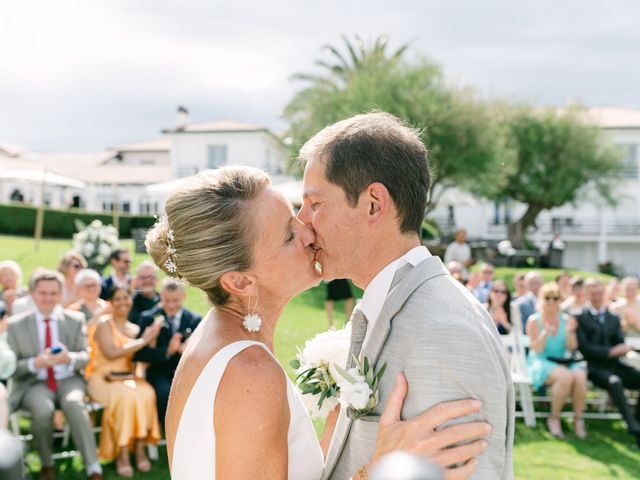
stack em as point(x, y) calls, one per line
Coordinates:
point(366, 183)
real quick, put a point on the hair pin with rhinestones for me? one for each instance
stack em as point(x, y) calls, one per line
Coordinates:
point(171, 263)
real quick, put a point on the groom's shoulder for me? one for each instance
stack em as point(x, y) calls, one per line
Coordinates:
point(443, 301)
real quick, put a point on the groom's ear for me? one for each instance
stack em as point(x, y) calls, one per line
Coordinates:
point(378, 201)
point(238, 283)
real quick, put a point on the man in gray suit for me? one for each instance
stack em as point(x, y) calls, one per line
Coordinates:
point(51, 349)
point(366, 184)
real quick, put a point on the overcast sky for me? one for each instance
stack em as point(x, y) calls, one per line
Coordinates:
point(89, 74)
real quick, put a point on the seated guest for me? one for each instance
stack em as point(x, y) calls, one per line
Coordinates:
point(48, 371)
point(88, 284)
point(11, 287)
point(601, 342)
point(163, 357)
point(130, 418)
point(145, 295)
point(612, 291)
point(519, 285)
point(499, 308)
point(481, 291)
point(628, 307)
point(120, 260)
point(7, 367)
point(564, 283)
point(528, 302)
point(70, 264)
point(456, 269)
point(577, 301)
point(553, 339)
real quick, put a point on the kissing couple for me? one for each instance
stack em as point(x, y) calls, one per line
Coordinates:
point(233, 413)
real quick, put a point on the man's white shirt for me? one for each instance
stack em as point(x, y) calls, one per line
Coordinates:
point(376, 293)
point(458, 252)
point(60, 371)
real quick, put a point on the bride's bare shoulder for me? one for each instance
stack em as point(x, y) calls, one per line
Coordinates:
point(252, 379)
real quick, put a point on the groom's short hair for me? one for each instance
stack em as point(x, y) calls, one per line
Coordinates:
point(376, 147)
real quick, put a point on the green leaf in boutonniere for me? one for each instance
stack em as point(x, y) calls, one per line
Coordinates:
point(359, 387)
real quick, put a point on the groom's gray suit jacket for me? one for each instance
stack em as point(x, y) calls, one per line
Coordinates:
point(433, 329)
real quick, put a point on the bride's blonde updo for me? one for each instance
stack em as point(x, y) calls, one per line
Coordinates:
point(208, 228)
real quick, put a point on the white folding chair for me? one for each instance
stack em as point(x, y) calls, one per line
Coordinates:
point(515, 344)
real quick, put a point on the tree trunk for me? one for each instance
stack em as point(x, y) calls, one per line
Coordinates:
point(518, 230)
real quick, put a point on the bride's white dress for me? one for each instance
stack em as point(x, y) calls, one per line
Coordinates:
point(195, 444)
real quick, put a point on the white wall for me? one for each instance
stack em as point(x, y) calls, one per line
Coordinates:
point(256, 149)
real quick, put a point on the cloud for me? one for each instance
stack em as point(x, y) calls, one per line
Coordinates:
point(79, 74)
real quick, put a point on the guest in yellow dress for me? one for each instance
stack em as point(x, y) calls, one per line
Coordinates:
point(130, 418)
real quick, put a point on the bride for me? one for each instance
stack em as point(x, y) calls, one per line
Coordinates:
point(233, 413)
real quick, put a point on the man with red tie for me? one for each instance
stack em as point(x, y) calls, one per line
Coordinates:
point(51, 349)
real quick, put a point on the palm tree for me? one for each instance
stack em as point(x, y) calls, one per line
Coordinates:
point(358, 56)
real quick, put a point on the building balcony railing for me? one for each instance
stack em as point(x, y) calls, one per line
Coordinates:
point(589, 226)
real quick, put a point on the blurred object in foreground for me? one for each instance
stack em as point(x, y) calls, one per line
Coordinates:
point(405, 466)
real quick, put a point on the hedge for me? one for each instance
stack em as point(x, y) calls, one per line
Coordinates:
point(21, 220)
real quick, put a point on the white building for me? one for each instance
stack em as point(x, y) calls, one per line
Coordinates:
point(121, 175)
point(594, 233)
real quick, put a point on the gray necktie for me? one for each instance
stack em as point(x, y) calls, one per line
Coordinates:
point(358, 332)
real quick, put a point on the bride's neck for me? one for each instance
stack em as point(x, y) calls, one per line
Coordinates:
point(269, 314)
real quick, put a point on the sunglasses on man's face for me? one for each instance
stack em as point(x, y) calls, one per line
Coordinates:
point(497, 290)
point(552, 299)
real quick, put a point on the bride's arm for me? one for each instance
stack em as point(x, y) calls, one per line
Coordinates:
point(251, 418)
point(329, 427)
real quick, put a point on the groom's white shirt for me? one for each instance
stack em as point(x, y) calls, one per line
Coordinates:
point(377, 291)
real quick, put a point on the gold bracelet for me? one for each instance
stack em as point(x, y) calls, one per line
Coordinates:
point(362, 474)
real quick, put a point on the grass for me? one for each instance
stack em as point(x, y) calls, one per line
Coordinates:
point(607, 454)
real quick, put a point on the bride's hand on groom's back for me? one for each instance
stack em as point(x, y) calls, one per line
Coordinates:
point(421, 435)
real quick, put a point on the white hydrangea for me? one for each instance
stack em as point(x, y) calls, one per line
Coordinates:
point(104, 250)
point(88, 249)
point(96, 224)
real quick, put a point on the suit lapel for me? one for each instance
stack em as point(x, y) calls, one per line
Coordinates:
point(406, 280)
point(34, 337)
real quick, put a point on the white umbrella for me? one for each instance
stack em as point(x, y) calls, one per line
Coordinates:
point(164, 188)
point(43, 178)
point(292, 190)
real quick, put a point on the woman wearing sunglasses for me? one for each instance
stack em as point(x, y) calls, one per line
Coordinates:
point(550, 361)
point(498, 306)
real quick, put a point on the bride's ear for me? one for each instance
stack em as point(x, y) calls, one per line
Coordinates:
point(239, 284)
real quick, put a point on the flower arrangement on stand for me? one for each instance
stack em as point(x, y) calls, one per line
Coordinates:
point(95, 242)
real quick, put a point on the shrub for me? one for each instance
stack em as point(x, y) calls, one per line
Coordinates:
point(21, 220)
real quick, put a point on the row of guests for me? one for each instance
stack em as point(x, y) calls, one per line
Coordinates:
point(15, 299)
point(44, 380)
point(598, 335)
point(558, 324)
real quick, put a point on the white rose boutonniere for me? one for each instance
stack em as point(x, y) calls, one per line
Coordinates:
point(358, 386)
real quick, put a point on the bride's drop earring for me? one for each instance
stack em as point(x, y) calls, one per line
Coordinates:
point(252, 321)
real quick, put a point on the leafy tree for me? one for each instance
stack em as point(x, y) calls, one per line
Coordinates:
point(559, 158)
point(465, 144)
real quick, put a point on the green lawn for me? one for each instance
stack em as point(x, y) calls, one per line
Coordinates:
point(607, 454)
